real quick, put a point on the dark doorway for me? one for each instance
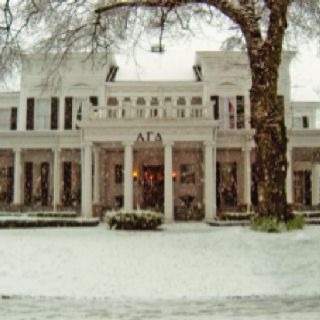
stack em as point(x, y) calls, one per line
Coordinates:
point(44, 183)
point(67, 197)
point(153, 187)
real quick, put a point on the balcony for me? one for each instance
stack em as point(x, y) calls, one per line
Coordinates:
point(146, 112)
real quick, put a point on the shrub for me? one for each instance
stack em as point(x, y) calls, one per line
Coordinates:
point(271, 224)
point(139, 220)
point(296, 222)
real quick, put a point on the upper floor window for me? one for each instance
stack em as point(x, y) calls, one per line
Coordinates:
point(5, 119)
point(94, 101)
point(167, 101)
point(196, 101)
point(154, 101)
point(42, 114)
point(127, 102)
point(300, 122)
point(181, 101)
point(112, 101)
point(8, 118)
point(141, 101)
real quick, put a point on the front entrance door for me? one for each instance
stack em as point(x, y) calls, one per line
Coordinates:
point(153, 187)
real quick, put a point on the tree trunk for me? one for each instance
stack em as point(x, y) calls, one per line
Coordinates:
point(267, 112)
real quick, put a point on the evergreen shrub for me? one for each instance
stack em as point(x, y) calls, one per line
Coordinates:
point(271, 224)
point(139, 220)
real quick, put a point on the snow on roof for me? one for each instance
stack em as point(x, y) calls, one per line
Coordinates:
point(143, 65)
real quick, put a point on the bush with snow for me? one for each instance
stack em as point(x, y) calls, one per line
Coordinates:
point(271, 224)
point(135, 220)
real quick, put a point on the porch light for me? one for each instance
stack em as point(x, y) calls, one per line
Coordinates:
point(135, 175)
point(174, 175)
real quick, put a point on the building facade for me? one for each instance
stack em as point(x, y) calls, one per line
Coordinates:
point(90, 143)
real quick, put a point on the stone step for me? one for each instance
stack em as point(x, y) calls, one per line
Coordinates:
point(312, 221)
point(228, 223)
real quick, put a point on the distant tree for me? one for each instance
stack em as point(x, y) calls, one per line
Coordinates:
point(64, 25)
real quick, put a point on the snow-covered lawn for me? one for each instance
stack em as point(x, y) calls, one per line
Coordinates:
point(192, 261)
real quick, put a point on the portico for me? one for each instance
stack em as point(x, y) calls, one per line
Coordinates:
point(139, 161)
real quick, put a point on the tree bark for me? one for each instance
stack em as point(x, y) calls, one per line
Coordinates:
point(267, 116)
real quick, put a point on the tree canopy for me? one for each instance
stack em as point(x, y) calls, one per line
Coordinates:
point(87, 25)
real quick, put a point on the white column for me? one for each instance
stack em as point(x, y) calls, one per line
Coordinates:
point(289, 182)
point(128, 180)
point(56, 178)
point(315, 184)
point(86, 162)
point(209, 190)
point(168, 186)
point(247, 176)
point(17, 177)
point(96, 194)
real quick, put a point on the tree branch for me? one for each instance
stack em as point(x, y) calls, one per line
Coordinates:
point(228, 8)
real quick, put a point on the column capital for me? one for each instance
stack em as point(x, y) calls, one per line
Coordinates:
point(56, 149)
point(127, 143)
point(17, 149)
point(246, 148)
point(168, 143)
point(87, 144)
point(209, 143)
point(96, 149)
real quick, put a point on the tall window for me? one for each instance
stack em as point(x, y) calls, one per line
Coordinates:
point(13, 118)
point(228, 112)
point(215, 106)
point(240, 112)
point(68, 113)
point(54, 113)
point(79, 105)
point(42, 114)
point(300, 122)
point(30, 114)
point(5, 119)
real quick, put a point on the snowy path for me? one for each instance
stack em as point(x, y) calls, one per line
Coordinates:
point(254, 308)
point(185, 267)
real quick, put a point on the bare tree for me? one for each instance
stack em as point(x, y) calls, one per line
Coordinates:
point(93, 26)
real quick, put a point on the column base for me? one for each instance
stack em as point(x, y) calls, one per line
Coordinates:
point(168, 219)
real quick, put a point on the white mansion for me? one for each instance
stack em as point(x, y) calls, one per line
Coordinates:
point(94, 143)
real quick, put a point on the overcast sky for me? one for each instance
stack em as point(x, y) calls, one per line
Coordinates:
point(176, 64)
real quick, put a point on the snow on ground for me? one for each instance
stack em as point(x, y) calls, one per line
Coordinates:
point(192, 261)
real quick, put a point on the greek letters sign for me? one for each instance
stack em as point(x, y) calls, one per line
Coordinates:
point(149, 136)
